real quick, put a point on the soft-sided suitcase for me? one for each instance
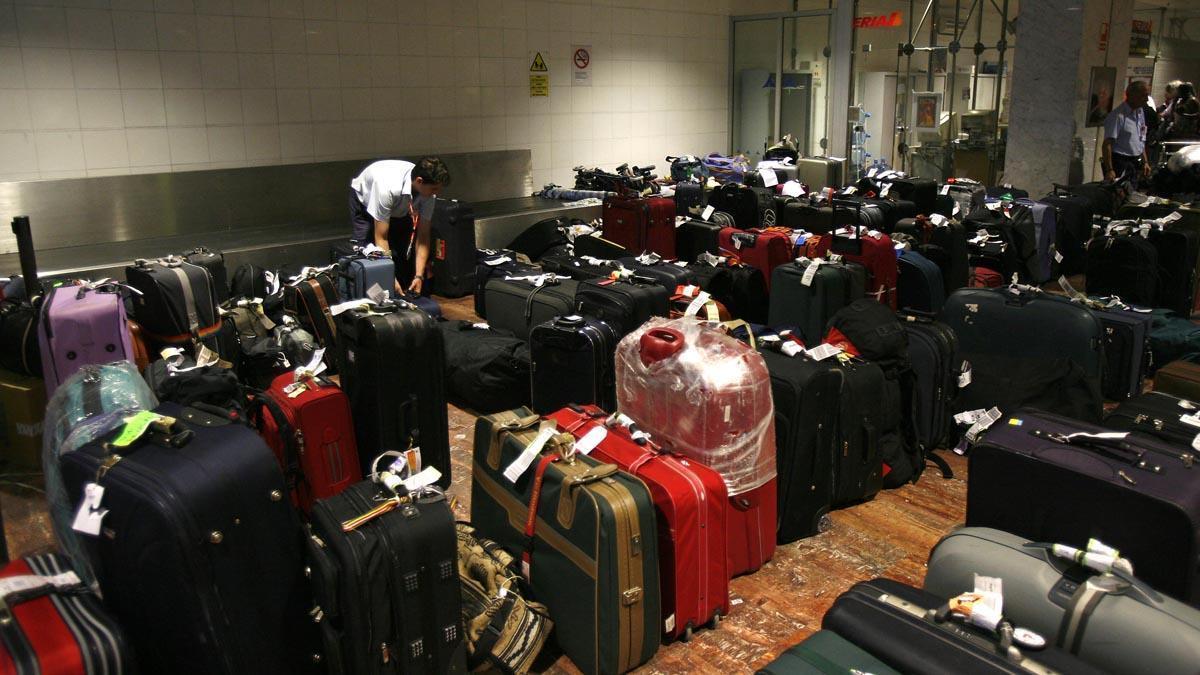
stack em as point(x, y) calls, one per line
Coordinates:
point(572, 359)
point(821, 172)
point(54, 624)
point(518, 305)
point(1010, 245)
point(306, 422)
point(541, 238)
point(1126, 348)
point(595, 246)
point(590, 551)
point(823, 653)
point(871, 249)
point(1108, 621)
point(624, 305)
point(740, 202)
point(386, 586)
point(392, 369)
point(945, 244)
point(491, 264)
point(922, 192)
point(1124, 265)
point(919, 285)
point(176, 302)
point(669, 275)
point(641, 224)
point(808, 292)
point(198, 555)
point(80, 325)
point(1179, 378)
point(695, 236)
point(741, 288)
point(487, 370)
point(309, 300)
point(806, 395)
point(1051, 479)
point(359, 274)
point(1178, 256)
point(937, 367)
point(764, 249)
point(904, 627)
point(1166, 417)
point(579, 269)
point(689, 196)
point(453, 242)
point(1045, 223)
point(691, 502)
point(19, 350)
point(1074, 218)
point(214, 262)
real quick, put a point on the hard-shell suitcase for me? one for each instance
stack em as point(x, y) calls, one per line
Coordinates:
point(1126, 348)
point(695, 236)
point(1179, 378)
point(903, 627)
point(198, 555)
point(830, 286)
point(359, 274)
point(452, 237)
point(1124, 265)
point(669, 275)
point(691, 502)
point(937, 367)
point(81, 325)
point(822, 653)
point(54, 624)
point(487, 370)
point(573, 363)
point(764, 249)
point(624, 305)
point(1111, 622)
point(741, 288)
point(919, 285)
point(491, 264)
point(821, 172)
point(214, 262)
point(806, 395)
point(392, 369)
point(641, 224)
point(591, 550)
point(309, 300)
point(1178, 256)
point(387, 587)
point(518, 306)
point(1051, 479)
point(176, 301)
point(308, 426)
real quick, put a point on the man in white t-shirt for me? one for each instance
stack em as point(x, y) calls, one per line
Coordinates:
point(391, 206)
point(1124, 149)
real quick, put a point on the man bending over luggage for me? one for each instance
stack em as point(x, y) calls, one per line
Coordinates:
point(1124, 149)
point(391, 206)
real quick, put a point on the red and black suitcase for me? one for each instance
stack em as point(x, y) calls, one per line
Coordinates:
point(692, 503)
point(308, 301)
point(641, 225)
point(52, 624)
point(763, 249)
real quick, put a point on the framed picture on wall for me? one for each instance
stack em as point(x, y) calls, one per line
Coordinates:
point(1101, 91)
point(927, 110)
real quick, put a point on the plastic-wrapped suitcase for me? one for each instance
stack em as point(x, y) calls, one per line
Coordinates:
point(1126, 348)
point(519, 305)
point(624, 305)
point(692, 505)
point(81, 325)
point(487, 370)
point(695, 236)
point(919, 285)
point(387, 587)
point(704, 395)
point(358, 274)
point(453, 242)
point(764, 249)
point(669, 275)
point(1120, 625)
point(741, 288)
point(807, 293)
point(1054, 479)
point(937, 367)
point(214, 262)
point(307, 425)
point(903, 627)
point(1179, 378)
point(198, 555)
point(573, 363)
point(641, 224)
point(176, 300)
point(591, 552)
point(492, 264)
point(822, 653)
point(967, 195)
point(54, 624)
point(392, 369)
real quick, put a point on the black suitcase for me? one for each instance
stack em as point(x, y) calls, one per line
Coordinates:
point(910, 630)
point(492, 264)
point(624, 305)
point(487, 369)
point(919, 283)
point(1123, 264)
point(801, 215)
point(1030, 476)
point(740, 202)
point(689, 198)
point(809, 306)
point(392, 362)
point(251, 281)
point(199, 557)
point(1011, 246)
point(1126, 348)
point(1178, 252)
point(1074, 229)
point(579, 269)
point(741, 288)
point(669, 275)
point(214, 262)
point(945, 245)
point(177, 301)
point(922, 192)
point(595, 246)
point(1160, 415)
point(452, 237)
point(807, 402)
point(573, 363)
point(869, 418)
point(695, 236)
point(517, 306)
point(346, 248)
point(19, 350)
point(893, 211)
point(309, 300)
point(936, 366)
point(1006, 190)
point(541, 238)
point(387, 591)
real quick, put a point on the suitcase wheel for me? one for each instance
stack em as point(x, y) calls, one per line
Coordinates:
point(687, 634)
point(714, 621)
point(825, 523)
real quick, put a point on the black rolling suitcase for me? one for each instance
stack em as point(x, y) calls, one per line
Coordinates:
point(1124, 264)
point(487, 370)
point(694, 237)
point(387, 590)
point(1074, 228)
point(937, 368)
point(669, 275)
point(541, 238)
point(919, 284)
point(1049, 478)
point(309, 300)
point(1178, 253)
point(392, 362)
point(176, 302)
point(595, 246)
point(1126, 348)
point(806, 293)
point(943, 243)
point(578, 269)
point(573, 363)
point(199, 555)
point(869, 419)
point(1160, 415)
point(214, 262)
point(519, 305)
point(453, 242)
point(689, 197)
point(909, 630)
point(624, 305)
point(492, 264)
point(922, 192)
point(741, 288)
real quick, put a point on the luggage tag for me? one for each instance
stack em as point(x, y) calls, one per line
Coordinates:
point(377, 295)
point(823, 351)
point(945, 189)
point(696, 304)
point(305, 376)
point(520, 465)
point(794, 188)
point(1098, 557)
point(769, 178)
point(358, 303)
point(957, 209)
point(982, 607)
point(964, 378)
point(938, 220)
point(811, 272)
point(591, 440)
point(887, 188)
point(90, 514)
point(871, 173)
point(707, 212)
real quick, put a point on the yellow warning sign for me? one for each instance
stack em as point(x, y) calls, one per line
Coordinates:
point(538, 65)
point(539, 85)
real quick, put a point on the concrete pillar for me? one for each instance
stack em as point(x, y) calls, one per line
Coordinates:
point(1057, 44)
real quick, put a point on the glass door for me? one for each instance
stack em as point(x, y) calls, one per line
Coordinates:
point(755, 67)
point(806, 76)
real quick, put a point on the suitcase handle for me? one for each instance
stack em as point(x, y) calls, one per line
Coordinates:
point(1113, 446)
point(657, 344)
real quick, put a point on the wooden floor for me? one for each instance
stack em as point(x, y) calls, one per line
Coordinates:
point(773, 608)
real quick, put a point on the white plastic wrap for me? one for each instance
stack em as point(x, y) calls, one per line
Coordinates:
point(709, 398)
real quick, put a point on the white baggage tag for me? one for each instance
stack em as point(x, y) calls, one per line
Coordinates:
point(1192, 420)
point(791, 348)
point(272, 280)
point(28, 582)
point(886, 189)
point(696, 304)
point(377, 294)
point(957, 209)
point(1058, 257)
point(89, 515)
point(206, 357)
point(946, 189)
point(937, 219)
point(424, 478)
point(492, 262)
point(811, 272)
point(349, 305)
point(707, 213)
point(874, 170)
point(521, 464)
point(823, 351)
point(964, 378)
point(850, 190)
point(992, 206)
point(591, 440)
point(793, 188)
point(481, 326)
point(768, 177)
point(982, 424)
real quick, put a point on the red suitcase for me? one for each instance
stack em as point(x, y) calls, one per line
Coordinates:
point(707, 396)
point(878, 255)
point(51, 624)
point(691, 501)
point(641, 225)
point(312, 435)
point(764, 249)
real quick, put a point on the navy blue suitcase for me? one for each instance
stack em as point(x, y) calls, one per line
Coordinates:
point(1127, 353)
point(919, 286)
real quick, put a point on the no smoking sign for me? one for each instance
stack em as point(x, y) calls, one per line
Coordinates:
point(581, 60)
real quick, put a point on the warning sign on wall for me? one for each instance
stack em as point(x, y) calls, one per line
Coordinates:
point(539, 64)
point(581, 61)
point(539, 80)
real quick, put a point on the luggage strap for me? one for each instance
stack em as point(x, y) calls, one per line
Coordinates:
point(189, 300)
point(539, 477)
point(291, 450)
point(1079, 611)
point(323, 303)
point(17, 589)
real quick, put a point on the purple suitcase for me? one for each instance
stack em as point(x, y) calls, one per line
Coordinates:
point(82, 325)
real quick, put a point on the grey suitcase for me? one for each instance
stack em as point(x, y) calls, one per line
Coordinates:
point(821, 172)
point(517, 305)
point(1102, 619)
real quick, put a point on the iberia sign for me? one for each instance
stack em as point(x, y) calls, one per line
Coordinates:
point(881, 21)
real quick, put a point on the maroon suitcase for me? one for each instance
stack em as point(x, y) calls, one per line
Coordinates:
point(691, 501)
point(641, 225)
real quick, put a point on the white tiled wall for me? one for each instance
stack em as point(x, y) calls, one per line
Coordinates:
point(100, 87)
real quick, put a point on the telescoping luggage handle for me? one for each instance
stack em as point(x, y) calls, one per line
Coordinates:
point(847, 245)
point(24, 235)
